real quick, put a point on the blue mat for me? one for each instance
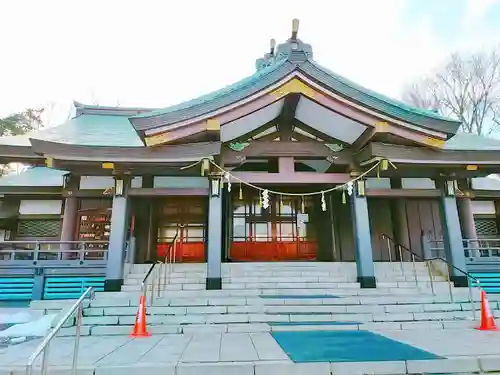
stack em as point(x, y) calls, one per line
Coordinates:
point(346, 346)
point(290, 296)
point(299, 313)
point(312, 323)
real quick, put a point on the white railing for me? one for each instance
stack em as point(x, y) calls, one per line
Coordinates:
point(401, 250)
point(158, 275)
point(36, 251)
point(44, 347)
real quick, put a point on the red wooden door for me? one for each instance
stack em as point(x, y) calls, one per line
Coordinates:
point(186, 217)
point(279, 233)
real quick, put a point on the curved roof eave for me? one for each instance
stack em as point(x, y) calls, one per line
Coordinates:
point(269, 75)
point(215, 100)
point(379, 102)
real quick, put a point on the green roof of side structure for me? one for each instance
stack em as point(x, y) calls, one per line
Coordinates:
point(294, 55)
point(87, 130)
point(472, 142)
point(34, 176)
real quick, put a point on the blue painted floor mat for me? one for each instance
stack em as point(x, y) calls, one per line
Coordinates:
point(346, 346)
point(299, 313)
point(313, 323)
point(291, 296)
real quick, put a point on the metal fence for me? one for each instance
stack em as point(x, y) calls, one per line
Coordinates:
point(53, 252)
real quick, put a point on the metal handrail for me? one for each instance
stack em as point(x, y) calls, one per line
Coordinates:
point(144, 284)
point(429, 268)
point(45, 345)
point(479, 247)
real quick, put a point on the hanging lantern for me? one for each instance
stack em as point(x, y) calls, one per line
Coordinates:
point(323, 202)
point(303, 206)
point(344, 198)
point(241, 193)
point(228, 178)
point(265, 199)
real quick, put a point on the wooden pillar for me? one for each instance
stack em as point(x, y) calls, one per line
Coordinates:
point(68, 227)
point(454, 247)
point(117, 238)
point(214, 275)
point(148, 227)
point(467, 223)
point(467, 218)
point(362, 236)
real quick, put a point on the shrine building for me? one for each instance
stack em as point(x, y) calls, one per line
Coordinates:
point(293, 163)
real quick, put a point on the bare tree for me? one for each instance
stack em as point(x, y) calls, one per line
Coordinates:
point(467, 87)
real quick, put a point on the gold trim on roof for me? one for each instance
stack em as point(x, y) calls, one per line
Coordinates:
point(294, 86)
point(213, 124)
point(157, 139)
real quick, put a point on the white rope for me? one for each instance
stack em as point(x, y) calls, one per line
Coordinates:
point(338, 187)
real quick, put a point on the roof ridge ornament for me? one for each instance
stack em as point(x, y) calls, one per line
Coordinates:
point(295, 28)
point(293, 50)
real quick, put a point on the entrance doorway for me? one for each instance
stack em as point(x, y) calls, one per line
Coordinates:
point(282, 232)
point(186, 216)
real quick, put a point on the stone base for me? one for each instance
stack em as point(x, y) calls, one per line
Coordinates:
point(367, 281)
point(460, 281)
point(113, 285)
point(214, 283)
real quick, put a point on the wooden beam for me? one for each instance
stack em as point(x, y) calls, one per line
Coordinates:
point(287, 116)
point(425, 156)
point(160, 192)
point(31, 190)
point(165, 154)
point(86, 193)
point(363, 139)
point(403, 193)
point(286, 164)
point(265, 149)
point(485, 194)
point(292, 178)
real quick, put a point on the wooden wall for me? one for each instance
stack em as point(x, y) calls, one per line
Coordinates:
point(380, 223)
point(423, 215)
point(343, 230)
point(420, 215)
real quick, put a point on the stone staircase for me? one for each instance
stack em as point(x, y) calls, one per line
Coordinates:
point(262, 297)
point(237, 330)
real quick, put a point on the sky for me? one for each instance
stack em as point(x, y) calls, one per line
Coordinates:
point(158, 53)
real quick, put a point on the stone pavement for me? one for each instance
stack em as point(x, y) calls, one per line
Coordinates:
point(252, 354)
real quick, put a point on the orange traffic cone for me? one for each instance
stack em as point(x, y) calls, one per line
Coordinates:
point(140, 329)
point(487, 319)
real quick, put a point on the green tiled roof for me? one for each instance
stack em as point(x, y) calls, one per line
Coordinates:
point(35, 176)
point(243, 84)
point(379, 102)
point(88, 130)
point(472, 142)
point(275, 68)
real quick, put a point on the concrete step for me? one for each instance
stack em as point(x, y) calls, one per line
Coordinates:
point(463, 365)
point(296, 290)
point(253, 315)
point(253, 327)
point(375, 300)
point(397, 294)
point(286, 309)
point(189, 279)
